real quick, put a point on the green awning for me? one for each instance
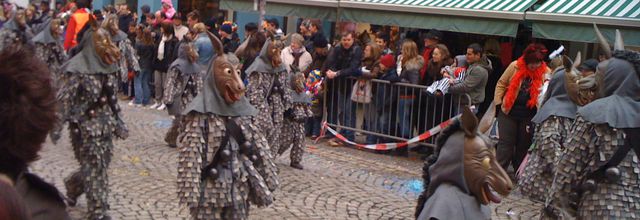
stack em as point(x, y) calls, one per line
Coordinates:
point(573, 20)
point(497, 17)
point(320, 9)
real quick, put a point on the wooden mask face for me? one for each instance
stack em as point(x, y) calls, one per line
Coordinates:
point(106, 50)
point(482, 172)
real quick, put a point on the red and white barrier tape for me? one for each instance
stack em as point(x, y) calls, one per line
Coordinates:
point(389, 146)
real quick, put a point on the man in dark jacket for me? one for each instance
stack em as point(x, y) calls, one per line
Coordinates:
point(476, 79)
point(124, 18)
point(343, 61)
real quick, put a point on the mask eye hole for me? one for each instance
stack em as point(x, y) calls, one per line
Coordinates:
point(228, 71)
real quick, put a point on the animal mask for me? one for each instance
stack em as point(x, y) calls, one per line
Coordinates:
point(191, 52)
point(106, 50)
point(274, 53)
point(226, 74)
point(55, 28)
point(297, 80)
point(21, 19)
point(482, 173)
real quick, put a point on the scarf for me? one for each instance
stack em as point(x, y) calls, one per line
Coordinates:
point(514, 85)
point(161, 47)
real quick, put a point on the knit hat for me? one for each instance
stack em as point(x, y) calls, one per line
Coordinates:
point(387, 60)
point(319, 41)
point(227, 28)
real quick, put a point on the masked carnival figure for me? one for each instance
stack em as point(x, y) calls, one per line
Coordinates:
point(15, 30)
point(224, 164)
point(266, 91)
point(463, 173)
point(48, 48)
point(294, 119)
point(90, 107)
point(598, 176)
point(128, 60)
point(553, 120)
point(184, 82)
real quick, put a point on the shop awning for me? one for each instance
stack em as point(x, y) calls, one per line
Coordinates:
point(573, 20)
point(320, 9)
point(496, 17)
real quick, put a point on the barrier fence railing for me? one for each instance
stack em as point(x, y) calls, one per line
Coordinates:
point(383, 112)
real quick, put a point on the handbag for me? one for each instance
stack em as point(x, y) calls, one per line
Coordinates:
point(361, 92)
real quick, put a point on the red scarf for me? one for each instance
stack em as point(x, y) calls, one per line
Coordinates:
point(514, 85)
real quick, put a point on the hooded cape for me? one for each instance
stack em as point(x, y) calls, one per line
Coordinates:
point(210, 101)
point(87, 60)
point(451, 198)
point(45, 37)
point(557, 102)
point(182, 62)
point(620, 105)
point(263, 63)
point(120, 36)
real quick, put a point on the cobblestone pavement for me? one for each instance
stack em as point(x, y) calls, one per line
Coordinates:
point(337, 183)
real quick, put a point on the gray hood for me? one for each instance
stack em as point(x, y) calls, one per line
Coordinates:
point(87, 60)
point(263, 63)
point(557, 102)
point(619, 106)
point(209, 100)
point(182, 62)
point(484, 63)
point(45, 37)
point(449, 168)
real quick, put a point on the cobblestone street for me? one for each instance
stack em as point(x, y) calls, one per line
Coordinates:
point(337, 183)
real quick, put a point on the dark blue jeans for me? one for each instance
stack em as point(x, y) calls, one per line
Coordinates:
point(141, 84)
point(342, 110)
point(312, 126)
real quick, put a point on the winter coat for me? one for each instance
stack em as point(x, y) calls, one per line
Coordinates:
point(474, 83)
point(384, 91)
point(170, 54)
point(411, 71)
point(503, 85)
point(345, 61)
point(288, 58)
point(146, 55)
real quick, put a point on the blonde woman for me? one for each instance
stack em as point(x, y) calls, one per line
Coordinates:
point(411, 62)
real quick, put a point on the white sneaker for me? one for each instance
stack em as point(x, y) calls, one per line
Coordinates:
point(138, 105)
point(132, 102)
point(154, 106)
point(161, 107)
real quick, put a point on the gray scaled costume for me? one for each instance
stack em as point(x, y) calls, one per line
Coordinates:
point(266, 91)
point(90, 107)
point(293, 127)
point(599, 173)
point(49, 49)
point(128, 59)
point(224, 163)
point(553, 122)
point(13, 32)
point(184, 82)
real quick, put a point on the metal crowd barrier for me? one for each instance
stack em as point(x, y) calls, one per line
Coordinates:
point(396, 111)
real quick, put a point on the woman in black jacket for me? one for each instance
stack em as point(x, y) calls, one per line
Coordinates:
point(165, 54)
point(145, 49)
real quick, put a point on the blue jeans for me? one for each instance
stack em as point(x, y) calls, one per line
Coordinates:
point(141, 84)
point(404, 112)
point(312, 126)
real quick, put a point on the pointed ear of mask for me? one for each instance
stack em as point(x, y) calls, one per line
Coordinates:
point(469, 122)
point(93, 23)
point(568, 63)
point(619, 44)
point(577, 61)
point(487, 119)
point(217, 44)
point(604, 44)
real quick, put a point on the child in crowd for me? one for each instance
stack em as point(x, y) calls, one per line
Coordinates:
point(315, 90)
point(457, 71)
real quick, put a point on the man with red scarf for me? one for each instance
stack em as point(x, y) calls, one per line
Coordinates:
point(517, 92)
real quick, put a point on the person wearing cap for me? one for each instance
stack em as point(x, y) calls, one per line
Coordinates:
point(146, 11)
point(385, 107)
point(179, 29)
point(588, 67)
point(432, 39)
point(226, 35)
